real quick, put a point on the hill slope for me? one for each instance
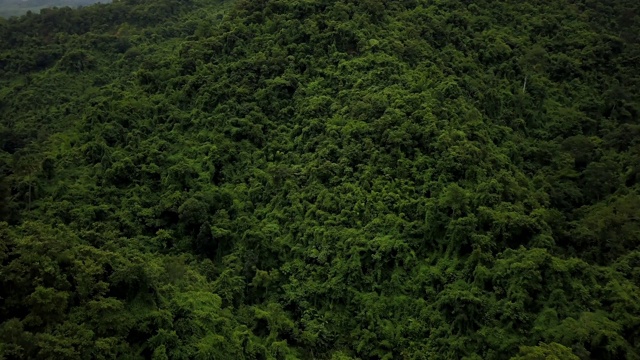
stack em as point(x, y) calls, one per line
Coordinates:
point(321, 179)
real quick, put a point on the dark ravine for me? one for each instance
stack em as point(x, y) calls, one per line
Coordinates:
point(187, 179)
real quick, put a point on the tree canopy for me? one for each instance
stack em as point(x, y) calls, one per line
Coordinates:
point(314, 179)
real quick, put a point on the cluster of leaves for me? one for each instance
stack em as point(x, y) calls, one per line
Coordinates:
point(321, 179)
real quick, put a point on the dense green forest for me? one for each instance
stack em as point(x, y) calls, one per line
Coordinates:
point(315, 179)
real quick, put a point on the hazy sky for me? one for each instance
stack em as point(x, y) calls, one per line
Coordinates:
point(19, 7)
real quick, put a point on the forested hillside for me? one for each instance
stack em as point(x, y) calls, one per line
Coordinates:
point(315, 179)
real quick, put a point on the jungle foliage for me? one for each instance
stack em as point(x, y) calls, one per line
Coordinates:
point(300, 179)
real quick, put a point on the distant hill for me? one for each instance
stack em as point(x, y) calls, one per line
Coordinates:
point(10, 8)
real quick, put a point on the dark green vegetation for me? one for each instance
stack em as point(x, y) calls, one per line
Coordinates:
point(299, 179)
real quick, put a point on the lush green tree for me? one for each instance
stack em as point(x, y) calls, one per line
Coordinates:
point(320, 179)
